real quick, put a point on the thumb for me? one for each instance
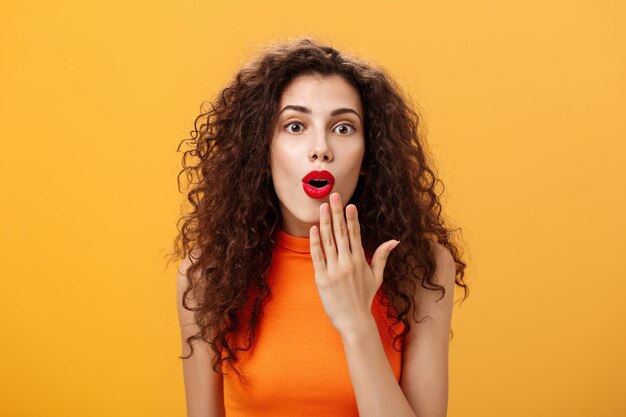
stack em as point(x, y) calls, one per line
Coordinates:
point(379, 259)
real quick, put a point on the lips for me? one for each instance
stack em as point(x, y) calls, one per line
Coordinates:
point(318, 184)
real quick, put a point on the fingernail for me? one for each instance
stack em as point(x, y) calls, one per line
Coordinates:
point(393, 245)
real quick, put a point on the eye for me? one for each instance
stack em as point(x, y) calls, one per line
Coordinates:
point(347, 129)
point(300, 129)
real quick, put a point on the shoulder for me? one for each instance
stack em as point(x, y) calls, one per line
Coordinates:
point(445, 269)
point(430, 300)
point(185, 264)
point(445, 265)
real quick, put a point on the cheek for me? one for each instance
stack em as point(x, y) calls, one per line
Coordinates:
point(355, 153)
point(276, 155)
point(284, 167)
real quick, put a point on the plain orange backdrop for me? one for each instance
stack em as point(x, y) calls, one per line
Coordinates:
point(523, 104)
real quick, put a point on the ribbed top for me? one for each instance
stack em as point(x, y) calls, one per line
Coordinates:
point(291, 243)
point(297, 365)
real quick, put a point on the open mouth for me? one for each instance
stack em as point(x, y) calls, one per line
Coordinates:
point(318, 183)
point(317, 188)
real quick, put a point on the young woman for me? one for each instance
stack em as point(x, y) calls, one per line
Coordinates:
point(294, 297)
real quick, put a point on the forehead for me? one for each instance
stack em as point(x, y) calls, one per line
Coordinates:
point(321, 92)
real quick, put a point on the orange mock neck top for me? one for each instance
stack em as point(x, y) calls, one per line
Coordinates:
point(297, 364)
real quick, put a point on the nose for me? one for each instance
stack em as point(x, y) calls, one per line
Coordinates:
point(320, 148)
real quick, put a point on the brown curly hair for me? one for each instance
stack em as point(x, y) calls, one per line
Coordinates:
point(227, 234)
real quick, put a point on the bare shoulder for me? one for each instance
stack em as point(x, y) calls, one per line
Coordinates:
point(185, 315)
point(432, 302)
point(445, 271)
point(186, 262)
point(182, 281)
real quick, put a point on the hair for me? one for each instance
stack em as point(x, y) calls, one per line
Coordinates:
point(226, 236)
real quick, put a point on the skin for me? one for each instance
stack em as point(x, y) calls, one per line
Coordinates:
point(312, 139)
point(337, 141)
point(347, 286)
point(346, 283)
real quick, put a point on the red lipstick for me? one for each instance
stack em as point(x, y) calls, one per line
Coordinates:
point(318, 184)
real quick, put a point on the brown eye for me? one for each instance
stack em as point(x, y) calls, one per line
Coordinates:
point(344, 129)
point(298, 130)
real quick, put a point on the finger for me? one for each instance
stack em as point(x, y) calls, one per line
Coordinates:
point(354, 231)
point(379, 259)
point(326, 234)
point(317, 256)
point(340, 228)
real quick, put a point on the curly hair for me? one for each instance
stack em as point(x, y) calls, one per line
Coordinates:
point(235, 210)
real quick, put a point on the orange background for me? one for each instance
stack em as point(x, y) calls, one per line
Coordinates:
point(524, 107)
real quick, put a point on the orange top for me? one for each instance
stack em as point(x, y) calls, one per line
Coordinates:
point(297, 365)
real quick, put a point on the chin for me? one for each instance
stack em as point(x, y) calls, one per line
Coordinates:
point(310, 219)
point(307, 217)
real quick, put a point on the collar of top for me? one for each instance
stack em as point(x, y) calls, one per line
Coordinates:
point(290, 242)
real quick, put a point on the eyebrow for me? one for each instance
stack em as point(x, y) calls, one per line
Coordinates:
point(304, 109)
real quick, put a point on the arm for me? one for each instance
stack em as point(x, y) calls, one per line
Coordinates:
point(423, 389)
point(203, 387)
point(425, 358)
point(375, 387)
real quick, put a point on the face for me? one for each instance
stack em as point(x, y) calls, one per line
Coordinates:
point(319, 128)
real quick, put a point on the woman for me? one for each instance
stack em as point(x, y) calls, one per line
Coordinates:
point(293, 297)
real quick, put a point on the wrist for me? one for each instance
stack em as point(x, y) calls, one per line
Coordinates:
point(360, 331)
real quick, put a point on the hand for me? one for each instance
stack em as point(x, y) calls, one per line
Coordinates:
point(345, 282)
